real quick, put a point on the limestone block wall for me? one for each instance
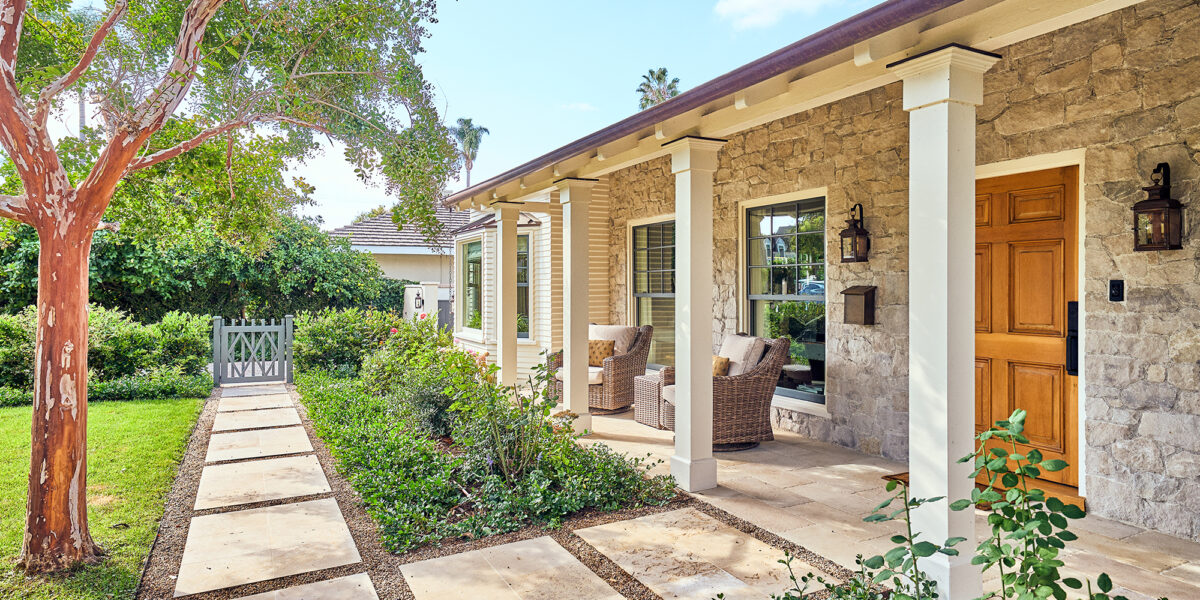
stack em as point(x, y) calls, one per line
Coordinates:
point(857, 149)
point(1126, 87)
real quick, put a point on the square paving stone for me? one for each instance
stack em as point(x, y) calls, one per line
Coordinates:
point(252, 390)
point(688, 554)
point(257, 444)
point(237, 403)
point(353, 587)
point(255, 419)
point(260, 480)
point(246, 546)
point(537, 569)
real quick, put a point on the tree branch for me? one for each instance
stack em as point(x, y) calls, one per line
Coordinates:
point(42, 110)
point(12, 18)
point(208, 134)
point(15, 208)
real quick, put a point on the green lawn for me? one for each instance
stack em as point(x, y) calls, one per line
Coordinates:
point(133, 450)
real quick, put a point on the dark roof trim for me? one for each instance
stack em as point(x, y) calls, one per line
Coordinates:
point(861, 27)
point(694, 137)
point(940, 48)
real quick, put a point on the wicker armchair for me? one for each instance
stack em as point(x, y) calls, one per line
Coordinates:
point(615, 392)
point(741, 403)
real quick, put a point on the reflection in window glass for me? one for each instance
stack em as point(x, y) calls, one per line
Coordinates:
point(654, 287)
point(473, 278)
point(785, 275)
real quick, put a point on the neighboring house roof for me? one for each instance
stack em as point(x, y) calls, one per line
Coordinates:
point(858, 28)
point(380, 235)
point(488, 221)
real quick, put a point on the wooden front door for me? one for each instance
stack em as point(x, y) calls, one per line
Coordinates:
point(1026, 257)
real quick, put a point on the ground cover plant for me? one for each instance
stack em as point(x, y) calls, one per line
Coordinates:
point(437, 450)
point(133, 453)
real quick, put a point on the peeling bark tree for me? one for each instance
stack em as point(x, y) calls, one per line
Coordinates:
point(413, 154)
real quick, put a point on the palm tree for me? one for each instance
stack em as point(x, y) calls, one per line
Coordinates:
point(655, 88)
point(469, 137)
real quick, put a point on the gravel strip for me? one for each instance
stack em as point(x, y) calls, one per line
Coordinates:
point(158, 582)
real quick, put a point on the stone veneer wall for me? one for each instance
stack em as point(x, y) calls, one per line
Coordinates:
point(1125, 86)
point(857, 149)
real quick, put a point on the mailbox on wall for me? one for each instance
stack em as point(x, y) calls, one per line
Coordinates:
point(860, 305)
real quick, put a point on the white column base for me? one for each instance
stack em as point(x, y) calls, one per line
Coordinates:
point(955, 575)
point(694, 475)
point(582, 424)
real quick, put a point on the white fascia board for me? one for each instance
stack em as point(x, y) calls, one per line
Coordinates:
point(411, 250)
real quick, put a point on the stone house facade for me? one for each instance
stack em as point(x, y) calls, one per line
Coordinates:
point(1111, 91)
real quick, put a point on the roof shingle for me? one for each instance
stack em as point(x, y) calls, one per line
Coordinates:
point(382, 231)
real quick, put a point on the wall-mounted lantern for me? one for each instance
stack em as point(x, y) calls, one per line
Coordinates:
point(418, 301)
point(856, 242)
point(1158, 220)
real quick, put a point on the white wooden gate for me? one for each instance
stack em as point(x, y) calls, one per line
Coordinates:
point(250, 350)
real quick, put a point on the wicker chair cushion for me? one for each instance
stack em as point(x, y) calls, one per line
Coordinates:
point(622, 335)
point(598, 350)
point(595, 375)
point(668, 394)
point(743, 352)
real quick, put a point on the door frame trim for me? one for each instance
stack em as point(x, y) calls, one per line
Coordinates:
point(1041, 162)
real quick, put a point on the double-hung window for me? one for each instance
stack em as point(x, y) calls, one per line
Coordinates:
point(523, 286)
point(473, 285)
point(785, 274)
point(654, 287)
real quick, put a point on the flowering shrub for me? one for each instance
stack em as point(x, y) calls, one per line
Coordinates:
point(508, 464)
point(339, 340)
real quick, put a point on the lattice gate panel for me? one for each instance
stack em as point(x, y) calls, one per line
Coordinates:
point(247, 351)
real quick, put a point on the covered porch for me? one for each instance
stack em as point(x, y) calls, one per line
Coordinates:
point(815, 495)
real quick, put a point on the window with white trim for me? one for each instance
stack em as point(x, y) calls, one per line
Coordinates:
point(523, 286)
point(473, 285)
point(785, 276)
point(654, 287)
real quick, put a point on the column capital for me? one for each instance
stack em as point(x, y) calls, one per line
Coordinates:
point(694, 153)
point(502, 207)
point(579, 185)
point(952, 73)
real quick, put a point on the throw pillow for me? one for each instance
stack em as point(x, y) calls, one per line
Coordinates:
point(598, 350)
point(720, 366)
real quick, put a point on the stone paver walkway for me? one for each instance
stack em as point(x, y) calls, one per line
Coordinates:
point(688, 554)
point(264, 456)
point(537, 569)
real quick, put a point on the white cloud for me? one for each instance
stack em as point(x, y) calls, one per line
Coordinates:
point(580, 106)
point(751, 14)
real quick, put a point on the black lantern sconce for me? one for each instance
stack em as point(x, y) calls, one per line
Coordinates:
point(856, 242)
point(418, 301)
point(1158, 220)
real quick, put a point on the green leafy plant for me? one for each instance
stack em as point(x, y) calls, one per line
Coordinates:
point(1028, 528)
point(339, 340)
point(474, 320)
point(899, 565)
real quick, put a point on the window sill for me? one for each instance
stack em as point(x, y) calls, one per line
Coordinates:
point(470, 335)
point(800, 406)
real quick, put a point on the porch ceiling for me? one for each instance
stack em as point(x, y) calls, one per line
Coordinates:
point(843, 60)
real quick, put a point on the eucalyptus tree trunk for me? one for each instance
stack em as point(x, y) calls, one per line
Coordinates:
point(56, 529)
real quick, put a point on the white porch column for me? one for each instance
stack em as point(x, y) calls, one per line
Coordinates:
point(693, 161)
point(941, 90)
point(506, 291)
point(575, 196)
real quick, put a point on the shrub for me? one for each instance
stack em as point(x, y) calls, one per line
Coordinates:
point(15, 397)
point(511, 465)
point(161, 382)
point(339, 340)
point(16, 349)
point(183, 340)
point(118, 345)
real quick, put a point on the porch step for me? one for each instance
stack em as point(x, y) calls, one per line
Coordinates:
point(1066, 493)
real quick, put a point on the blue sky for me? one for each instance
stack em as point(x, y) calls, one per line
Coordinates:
point(541, 73)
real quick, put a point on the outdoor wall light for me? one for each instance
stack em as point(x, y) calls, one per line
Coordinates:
point(856, 242)
point(1158, 220)
point(418, 301)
